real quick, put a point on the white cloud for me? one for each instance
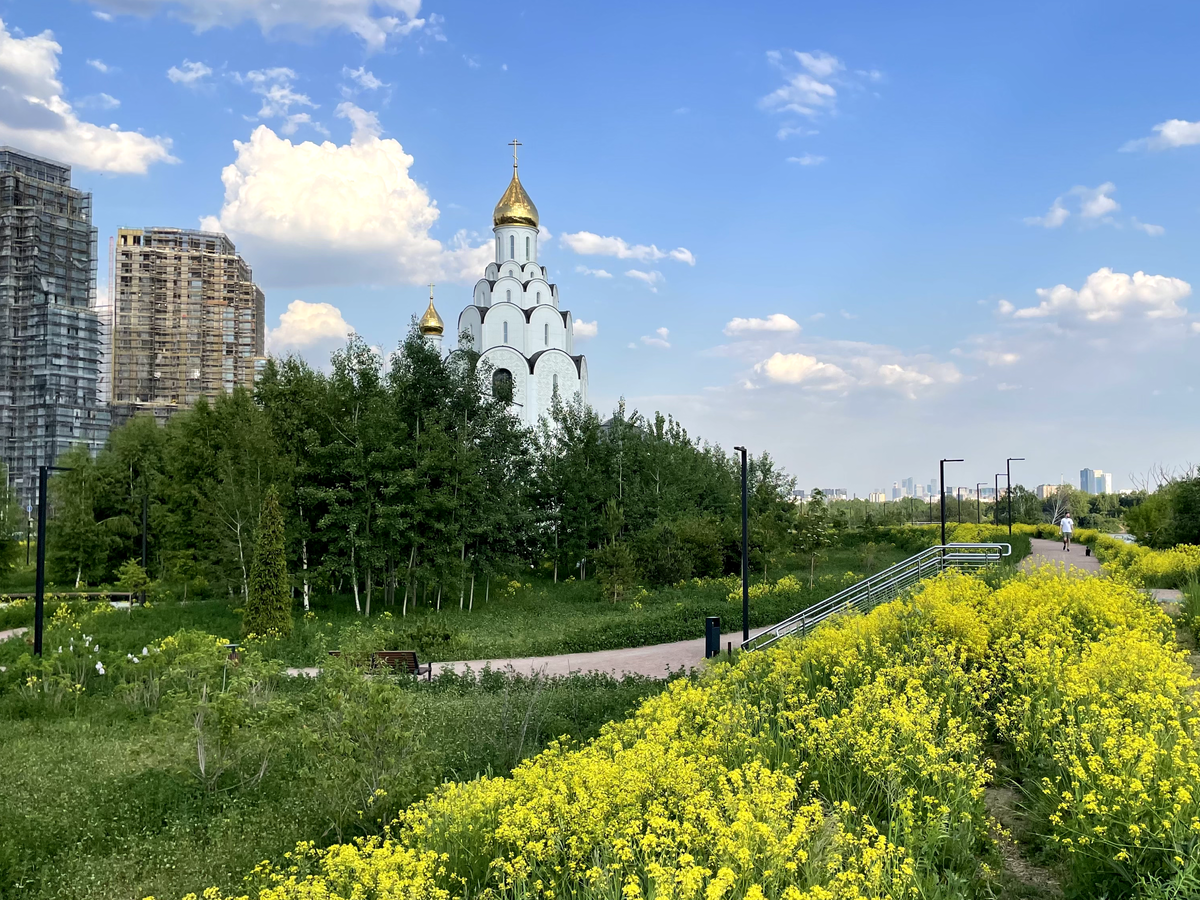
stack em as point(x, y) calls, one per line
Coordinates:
point(847, 315)
point(1057, 215)
point(279, 96)
point(653, 279)
point(798, 368)
point(1167, 135)
point(190, 74)
point(100, 65)
point(374, 21)
point(816, 317)
point(102, 16)
point(660, 340)
point(364, 79)
point(803, 92)
point(310, 213)
point(99, 101)
point(1196, 327)
point(776, 322)
point(305, 327)
point(1152, 230)
point(1107, 295)
point(788, 130)
point(365, 123)
point(1092, 205)
point(35, 117)
point(1005, 307)
point(595, 273)
point(585, 243)
point(585, 330)
point(808, 159)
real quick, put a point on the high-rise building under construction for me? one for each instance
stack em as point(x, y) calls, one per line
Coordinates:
point(50, 334)
point(188, 320)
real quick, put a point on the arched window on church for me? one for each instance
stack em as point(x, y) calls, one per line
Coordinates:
point(512, 247)
point(547, 327)
point(556, 384)
point(539, 296)
point(497, 246)
point(506, 332)
point(526, 249)
point(508, 296)
point(502, 385)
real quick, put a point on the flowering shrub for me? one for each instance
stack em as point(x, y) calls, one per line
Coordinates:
point(1170, 568)
point(851, 764)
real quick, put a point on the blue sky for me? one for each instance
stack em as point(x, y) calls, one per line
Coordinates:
point(899, 231)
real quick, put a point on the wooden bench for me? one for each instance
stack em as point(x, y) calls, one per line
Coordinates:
point(399, 661)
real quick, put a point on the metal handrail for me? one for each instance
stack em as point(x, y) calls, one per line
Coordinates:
point(865, 595)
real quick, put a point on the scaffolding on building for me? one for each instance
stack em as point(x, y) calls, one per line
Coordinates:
point(188, 320)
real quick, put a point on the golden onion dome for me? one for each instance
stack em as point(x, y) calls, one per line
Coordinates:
point(431, 322)
point(515, 207)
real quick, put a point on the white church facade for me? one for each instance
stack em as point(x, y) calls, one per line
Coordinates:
point(514, 319)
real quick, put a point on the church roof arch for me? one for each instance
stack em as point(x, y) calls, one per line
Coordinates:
point(541, 354)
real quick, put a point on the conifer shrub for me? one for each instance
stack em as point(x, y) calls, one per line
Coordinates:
point(269, 604)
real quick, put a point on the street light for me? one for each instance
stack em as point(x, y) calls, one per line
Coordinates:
point(942, 491)
point(978, 503)
point(745, 555)
point(1008, 472)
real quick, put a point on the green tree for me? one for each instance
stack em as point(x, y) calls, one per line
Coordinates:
point(269, 605)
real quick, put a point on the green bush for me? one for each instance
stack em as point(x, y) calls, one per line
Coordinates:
point(269, 598)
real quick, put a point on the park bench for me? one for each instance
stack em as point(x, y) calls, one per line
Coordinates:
point(399, 661)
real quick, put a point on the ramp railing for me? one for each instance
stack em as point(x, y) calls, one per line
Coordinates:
point(881, 587)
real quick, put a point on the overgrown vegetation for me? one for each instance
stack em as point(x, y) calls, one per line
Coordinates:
point(852, 764)
point(126, 774)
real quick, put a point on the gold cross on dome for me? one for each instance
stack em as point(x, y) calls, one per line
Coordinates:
point(431, 290)
point(514, 143)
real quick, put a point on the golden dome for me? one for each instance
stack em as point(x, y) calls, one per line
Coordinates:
point(431, 322)
point(515, 207)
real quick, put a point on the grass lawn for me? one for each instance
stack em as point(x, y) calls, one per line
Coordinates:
point(538, 618)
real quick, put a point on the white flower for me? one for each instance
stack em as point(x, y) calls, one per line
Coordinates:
point(99, 667)
point(96, 648)
point(145, 651)
point(60, 649)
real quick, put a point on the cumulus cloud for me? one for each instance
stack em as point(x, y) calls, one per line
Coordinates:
point(808, 159)
point(1167, 135)
point(306, 327)
point(1092, 204)
point(279, 96)
point(100, 65)
point(776, 322)
point(652, 279)
point(595, 273)
point(1152, 230)
point(310, 213)
point(364, 79)
point(35, 117)
point(799, 368)
point(806, 90)
point(585, 330)
point(1107, 296)
point(190, 74)
point(374, 21)
point(585, 243)
point(659, 340)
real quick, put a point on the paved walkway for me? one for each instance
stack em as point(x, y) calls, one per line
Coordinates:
point(1045, 551)
point(655, 661)
point(12, 633)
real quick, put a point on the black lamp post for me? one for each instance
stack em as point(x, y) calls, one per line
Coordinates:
point(942, 491)
point(39, 602)
point(1008, 473)
point(745, 554)
point(978, 503)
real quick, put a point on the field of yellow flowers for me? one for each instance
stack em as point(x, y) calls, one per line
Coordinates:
point(853, 764)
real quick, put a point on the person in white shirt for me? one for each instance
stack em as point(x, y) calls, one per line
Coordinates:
point(1068, 527)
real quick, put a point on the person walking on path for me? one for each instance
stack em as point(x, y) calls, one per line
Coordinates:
point(1068, 527)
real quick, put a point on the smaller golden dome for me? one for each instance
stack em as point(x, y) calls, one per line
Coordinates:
point(431, 322)
point(515, 207)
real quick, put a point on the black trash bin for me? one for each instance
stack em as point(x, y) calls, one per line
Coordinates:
point(712, 637)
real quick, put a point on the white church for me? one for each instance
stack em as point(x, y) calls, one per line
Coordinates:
point(514, 319)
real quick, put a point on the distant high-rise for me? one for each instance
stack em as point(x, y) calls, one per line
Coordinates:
point(188, 320)
point(1095, 481)
point(910, 487)
point(50, 334)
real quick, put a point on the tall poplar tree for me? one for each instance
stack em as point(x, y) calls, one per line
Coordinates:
point(269, 607)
